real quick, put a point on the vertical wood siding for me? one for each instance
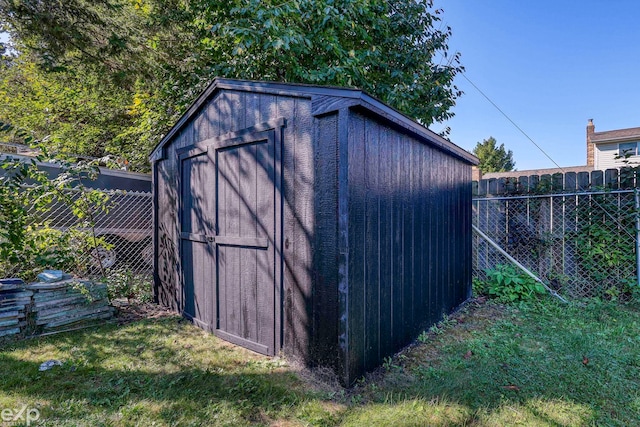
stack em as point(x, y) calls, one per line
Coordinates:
point(375, 231)
point(226, 112)
point(169, 287)
point(196, 203)
point(409, 240)
point(326, 256)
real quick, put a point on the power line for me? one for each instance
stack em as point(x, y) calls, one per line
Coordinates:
point(506, 116)
point(593, 200)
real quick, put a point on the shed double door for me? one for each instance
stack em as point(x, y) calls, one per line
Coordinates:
point(229, 238)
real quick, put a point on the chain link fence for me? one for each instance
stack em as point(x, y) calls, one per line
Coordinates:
point(579, 244)
point(122, 233)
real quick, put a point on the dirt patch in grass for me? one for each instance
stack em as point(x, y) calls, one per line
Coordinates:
point(471, 319)
point(128, 312)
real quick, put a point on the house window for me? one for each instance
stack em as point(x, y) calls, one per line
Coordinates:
point(628, 149)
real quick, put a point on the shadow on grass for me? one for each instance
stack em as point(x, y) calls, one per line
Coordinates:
point(164, 370)
point(546, 365)
point(190, 389)
point(485, 367)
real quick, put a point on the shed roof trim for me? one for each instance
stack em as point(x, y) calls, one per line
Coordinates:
point(309, 91)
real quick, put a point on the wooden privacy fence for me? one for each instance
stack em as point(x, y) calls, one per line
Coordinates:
point(576, 231)
point(623, 178)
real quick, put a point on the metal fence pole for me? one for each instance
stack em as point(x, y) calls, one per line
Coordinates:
point(637, 200)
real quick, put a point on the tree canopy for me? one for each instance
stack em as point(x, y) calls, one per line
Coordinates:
point(110, 76)
point(493, 158)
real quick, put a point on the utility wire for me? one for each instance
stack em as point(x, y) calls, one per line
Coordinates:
point(506, 116)
point(510, 121)
point(593, 200)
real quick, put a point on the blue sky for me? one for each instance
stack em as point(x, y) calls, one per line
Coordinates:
point(550, 66)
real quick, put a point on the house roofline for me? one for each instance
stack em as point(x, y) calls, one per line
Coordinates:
point(619, 139)
point(617, 135)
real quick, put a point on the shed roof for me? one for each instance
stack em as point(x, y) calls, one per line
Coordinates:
point(350, 97)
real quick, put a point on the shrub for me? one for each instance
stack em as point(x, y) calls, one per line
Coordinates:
point(507, 284)
point(479, 287)
point(123, 283)
point(27, 244)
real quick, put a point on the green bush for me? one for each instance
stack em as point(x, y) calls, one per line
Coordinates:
point(39, 247)
point(27, 244)
point(507, 284)
point(479, 287)
point(123, 283)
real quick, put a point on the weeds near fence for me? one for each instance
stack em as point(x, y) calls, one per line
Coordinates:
point(124, 283)
point(508, 284)
point(577, 232)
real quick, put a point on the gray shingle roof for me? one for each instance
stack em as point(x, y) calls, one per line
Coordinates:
point(616, 135)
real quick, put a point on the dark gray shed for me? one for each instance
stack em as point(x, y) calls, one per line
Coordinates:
point(313, 220)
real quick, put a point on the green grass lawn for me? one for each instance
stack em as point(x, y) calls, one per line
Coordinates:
point(489, 365)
